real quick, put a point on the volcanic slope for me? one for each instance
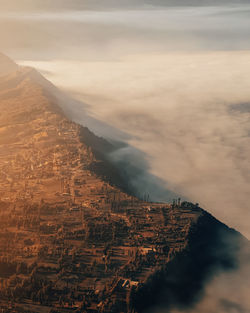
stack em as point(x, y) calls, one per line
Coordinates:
point(72, 239)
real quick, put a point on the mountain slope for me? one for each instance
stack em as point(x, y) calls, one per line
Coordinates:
point(72, 239)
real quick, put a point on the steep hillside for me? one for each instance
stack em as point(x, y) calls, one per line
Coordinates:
point(72, 239)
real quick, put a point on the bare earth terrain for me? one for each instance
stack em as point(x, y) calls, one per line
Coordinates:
point(71, 240)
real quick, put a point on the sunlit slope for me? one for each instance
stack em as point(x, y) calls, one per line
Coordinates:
point(72, 239)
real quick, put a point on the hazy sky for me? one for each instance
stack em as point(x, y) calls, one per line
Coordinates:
point(174, 77)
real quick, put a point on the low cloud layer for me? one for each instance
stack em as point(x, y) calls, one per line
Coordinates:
point(64, 5)
point(226, 293)
point(96, 35)
point(189, 113)
point(176, 80)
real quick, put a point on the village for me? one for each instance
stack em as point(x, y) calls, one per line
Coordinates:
point(80, 237)
point(71, 240)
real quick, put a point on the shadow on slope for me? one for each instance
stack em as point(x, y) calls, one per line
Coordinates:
point(121, 164)
point(125, 165)
point(214, 251)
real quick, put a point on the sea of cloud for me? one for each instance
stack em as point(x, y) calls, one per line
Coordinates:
point(174, 80)
point(188, 112)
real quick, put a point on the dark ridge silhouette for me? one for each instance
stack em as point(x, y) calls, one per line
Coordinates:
point(101, 164)
point(212, 248)
point(72, 239)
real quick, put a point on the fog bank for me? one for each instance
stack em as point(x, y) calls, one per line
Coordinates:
point(188, 113)
point(175, 79)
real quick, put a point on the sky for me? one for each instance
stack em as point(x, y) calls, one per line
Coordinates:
point(173, 75)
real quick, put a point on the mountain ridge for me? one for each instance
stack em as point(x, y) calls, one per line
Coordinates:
point(74, 238)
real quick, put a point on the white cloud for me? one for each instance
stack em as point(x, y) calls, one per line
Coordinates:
point(178, 109)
